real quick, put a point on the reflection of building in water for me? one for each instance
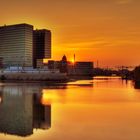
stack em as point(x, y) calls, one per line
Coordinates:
point(21, 111)
point(16, 112)
point(41, 114)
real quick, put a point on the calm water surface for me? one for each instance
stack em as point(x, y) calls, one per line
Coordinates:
point(99, 109)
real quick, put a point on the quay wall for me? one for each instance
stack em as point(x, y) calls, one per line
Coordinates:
point(34, 76)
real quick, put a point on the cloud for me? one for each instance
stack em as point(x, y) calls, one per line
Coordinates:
point(124, 1)
point(101, 44)
point(86, 45)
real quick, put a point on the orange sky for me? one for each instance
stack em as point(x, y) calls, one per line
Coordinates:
point(103, 30)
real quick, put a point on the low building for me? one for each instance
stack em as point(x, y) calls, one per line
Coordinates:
point(75, 69)
point(80, 68)
point(53, 64)
point(62, 65)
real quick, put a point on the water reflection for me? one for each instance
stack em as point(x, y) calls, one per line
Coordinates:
point(101, 108)
point(21, 111)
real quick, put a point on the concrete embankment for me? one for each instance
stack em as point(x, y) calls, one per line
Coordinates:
point(34, 76)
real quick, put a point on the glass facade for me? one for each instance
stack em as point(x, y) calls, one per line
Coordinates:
point(16, 45)
point(42, 45)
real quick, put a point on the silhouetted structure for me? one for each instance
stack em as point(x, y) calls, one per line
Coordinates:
point(137, 77)
point(41, 45)
point(137, 85)
point(124, 73)
point(63, 65)
point(72, 68)
point(137, 74)
point(80, 69)
point(53, 64)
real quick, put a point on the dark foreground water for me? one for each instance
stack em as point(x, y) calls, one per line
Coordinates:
point(100, 109)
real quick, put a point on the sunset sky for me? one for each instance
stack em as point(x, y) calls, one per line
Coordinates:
point(103, 30)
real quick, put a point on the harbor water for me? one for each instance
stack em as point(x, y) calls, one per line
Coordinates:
point(106, 108)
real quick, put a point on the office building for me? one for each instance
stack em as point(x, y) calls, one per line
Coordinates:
point(16, 43)
point(52, 64)
point(41, 45)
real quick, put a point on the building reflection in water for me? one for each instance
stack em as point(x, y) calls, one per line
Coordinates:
point(21, 111)
point(41, 114)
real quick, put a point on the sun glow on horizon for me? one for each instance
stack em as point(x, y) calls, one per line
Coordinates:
point(72, 61)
